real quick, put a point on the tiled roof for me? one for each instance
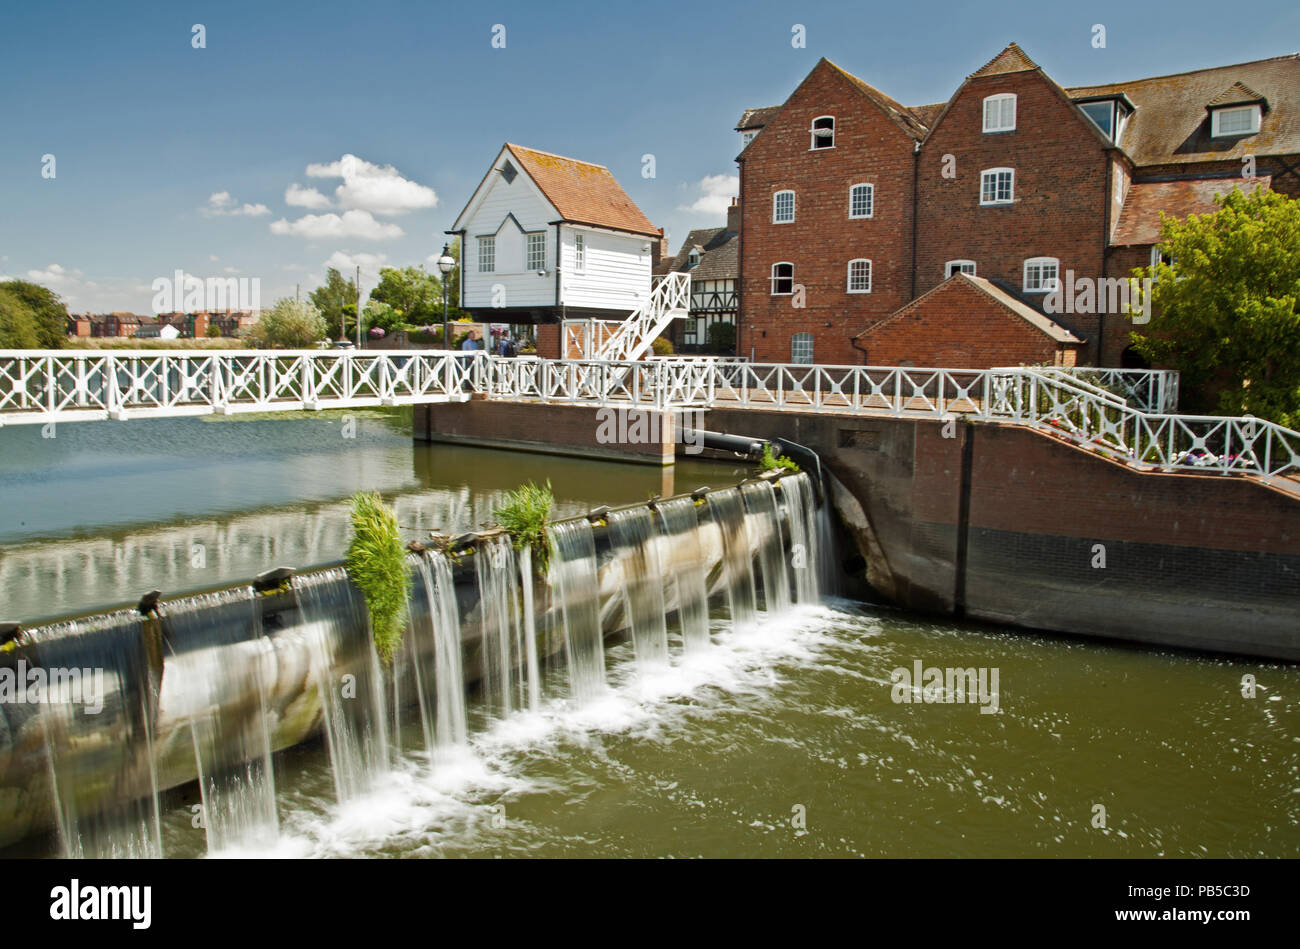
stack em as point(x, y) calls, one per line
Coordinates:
point(719, 255)
point(1236, 94)
point(1139, 220)
point(1011, 59)
point(926, 114)
point(757, 118)
point(1171, 125)
point(1044, 324)
point(901, 114)
point(581, 192)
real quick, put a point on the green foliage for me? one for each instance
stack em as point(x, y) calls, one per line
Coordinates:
point(662, 346)
point(1225, 311)
point(48, 313)
point(214, 331)
point(334, 298)
point(289, 325)
point(376, 562)
point(771, 463)
point(383, 316)
point(525, 515)
point(415, 295)
point(17, 325)
point(721, 338)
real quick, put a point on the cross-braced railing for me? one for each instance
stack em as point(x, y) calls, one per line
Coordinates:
point(54, 386)
point(669, 300)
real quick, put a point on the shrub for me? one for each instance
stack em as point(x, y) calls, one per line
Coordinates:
point(662, 346)
point(525, 515)
point(771, 463)
point(376, 562)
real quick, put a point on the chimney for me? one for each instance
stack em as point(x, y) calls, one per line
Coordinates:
point(658, 249)
point(733, 216)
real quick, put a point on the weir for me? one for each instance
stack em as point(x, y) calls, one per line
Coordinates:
point(210, 687)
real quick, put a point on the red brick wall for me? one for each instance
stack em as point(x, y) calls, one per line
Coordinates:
point(1060, 191)
point(548, 340)
point(869, 148)
point(958, 327)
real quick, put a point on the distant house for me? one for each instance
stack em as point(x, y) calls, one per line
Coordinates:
point(546, 238)
point(712, 257)
point(155, 328)
point(79, 326)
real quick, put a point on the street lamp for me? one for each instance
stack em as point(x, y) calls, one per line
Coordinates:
point(446, 264)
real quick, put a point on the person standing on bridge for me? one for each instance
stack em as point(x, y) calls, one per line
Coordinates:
point(471, 340)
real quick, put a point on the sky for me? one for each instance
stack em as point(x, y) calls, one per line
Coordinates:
point(302, 136)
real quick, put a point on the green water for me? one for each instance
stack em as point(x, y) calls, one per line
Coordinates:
point(783, 741)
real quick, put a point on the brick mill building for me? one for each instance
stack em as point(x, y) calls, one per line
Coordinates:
point(861, 216)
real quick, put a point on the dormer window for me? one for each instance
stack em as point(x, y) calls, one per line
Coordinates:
point(693, 257)
point(1237, 120)
point(823, 132)
point(746, 137)
point(1000, 113)
point(1109, 114)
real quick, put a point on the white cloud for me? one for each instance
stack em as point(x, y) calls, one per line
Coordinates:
point(220, 203)
point(213, 257)
point(55, 276)
point(379, 189)
point(716, 192)
point(299, 197)
point(353, 223)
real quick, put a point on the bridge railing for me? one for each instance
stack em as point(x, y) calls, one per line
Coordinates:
point(54, 385)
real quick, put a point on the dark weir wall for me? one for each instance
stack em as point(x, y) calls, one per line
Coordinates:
point(1006, 524)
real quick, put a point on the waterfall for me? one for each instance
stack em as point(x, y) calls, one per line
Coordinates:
point(681, 528)
point(530, 627)
point(217, 653)
point(737, 555)
point(634, 535)
point(345, 671)
point(504, 660)
point(576, 587)
point(761, 506)
point(436, 653)
point(801, 509)
point(96, 725)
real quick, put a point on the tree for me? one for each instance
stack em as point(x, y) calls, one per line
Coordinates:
point(1225, 307)
point(289, 324)
point(18, 328)
point(334, 298)
point(381, 315)
point(415, 294)
point(48, 312)
point(214, 331)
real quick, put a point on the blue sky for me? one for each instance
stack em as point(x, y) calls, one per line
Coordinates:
point(146, 129)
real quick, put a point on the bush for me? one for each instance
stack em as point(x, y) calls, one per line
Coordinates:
point(721, 338)
point(18, 328)
point(376, 562)
point(771, 463)
point(525, 515)
point(662, 346)
point(214, 331)
point(289, 324)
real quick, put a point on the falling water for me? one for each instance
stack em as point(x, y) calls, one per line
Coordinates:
point(761, 506)
point(345, 669)
point(530, 627)
point(634, 535)
point(574, 581)
point(681, 528)
point(804, 537)
point(436, 647)
point(87, 745)
point(737, 555)
point(216, 650)
point(505, 664)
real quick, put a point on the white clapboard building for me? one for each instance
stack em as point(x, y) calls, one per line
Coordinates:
point(546, 238)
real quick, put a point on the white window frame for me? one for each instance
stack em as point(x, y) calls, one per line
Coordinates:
point(1216, 121)
point(1000, 125)
point(579, 252)
point(775, 292)
point(797, 344)
point(848, 284)
point(538, 239)
point(871, 200)
point(487, 254)
point(812, 134)
point(776, 202)
point(746, 137)
point(1011, 189)
point(1044, 286)
point(951, 267)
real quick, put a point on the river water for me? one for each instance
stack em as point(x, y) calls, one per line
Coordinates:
point(781, 739)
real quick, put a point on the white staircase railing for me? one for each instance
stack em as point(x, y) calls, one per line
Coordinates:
point(670, 300)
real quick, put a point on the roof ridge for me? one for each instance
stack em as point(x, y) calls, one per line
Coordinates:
point(1012, 50)
point(1187, 72)
point(538, 151)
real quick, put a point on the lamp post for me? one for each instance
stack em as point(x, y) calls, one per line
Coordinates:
point(446, 264)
